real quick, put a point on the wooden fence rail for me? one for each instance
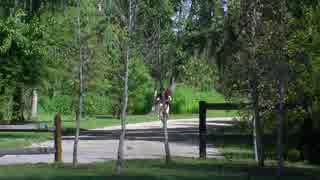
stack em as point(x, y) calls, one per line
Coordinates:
point(37, 150)
point(57, 132)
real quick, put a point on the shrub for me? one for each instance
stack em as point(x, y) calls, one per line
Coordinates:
point(97, 104)
point(186, 99)
point(59, 103)
point(5, 108)
point(198, 74)
point(294, 155)
point(140, 89)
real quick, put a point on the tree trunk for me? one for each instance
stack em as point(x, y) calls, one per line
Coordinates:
point(166, 137)
point(17, 108)
point(120, 157)
point(159, 59)
point(79, 110)
point(257, 127)
point(255, 143)
point(34, 104)
point(254, 70)
point(280, 124)
point(280, 85)
point(164, 114)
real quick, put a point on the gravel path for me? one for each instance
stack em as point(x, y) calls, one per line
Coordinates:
point(144, 141)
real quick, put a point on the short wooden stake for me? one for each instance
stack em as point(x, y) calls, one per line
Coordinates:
point(202, 130)
point(58, 138)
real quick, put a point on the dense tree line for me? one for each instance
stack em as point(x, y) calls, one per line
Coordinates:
point(107, 56)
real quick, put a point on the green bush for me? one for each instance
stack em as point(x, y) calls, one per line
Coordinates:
point(97, 104)
point(142, 104)
point(294, 155)
point(186, 99)
point(107, 100)
point(179, 102)
point(93, 104)
point(5, 108)
point(198, 73)
point(1, 117)
point(59, 103)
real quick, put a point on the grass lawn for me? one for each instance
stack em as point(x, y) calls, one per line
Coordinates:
point(14, 140)
point(94, 122)
point(180, 169)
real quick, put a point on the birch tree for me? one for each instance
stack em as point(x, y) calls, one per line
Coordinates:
point(120, 155)
point(253, 81)
point(164, 115)
point(247, 67)
point(80, 98)
point(281, 79)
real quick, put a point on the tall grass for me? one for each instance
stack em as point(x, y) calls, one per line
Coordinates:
point(186, 99)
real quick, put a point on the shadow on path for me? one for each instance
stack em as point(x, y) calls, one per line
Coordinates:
point(186, 132)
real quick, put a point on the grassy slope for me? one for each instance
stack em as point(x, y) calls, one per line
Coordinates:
point(181, 169)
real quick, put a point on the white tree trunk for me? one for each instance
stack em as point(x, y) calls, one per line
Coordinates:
point(166, 136)
point(164, 116)
point(280, 124)
point(257, 127)
point(79, 110)
point(120, 159)
point(120, 156)
point(34, 104)
point(257, 134)
point(254, 70)
point(255, 144)
point(280, 86)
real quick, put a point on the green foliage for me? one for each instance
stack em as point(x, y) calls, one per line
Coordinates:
point(294, 155)
point(97, 104)
point(107, 99)
point(5, 108)
point(22, 50)
point(59, 103)
point(304, 53)
point(140, 88)
point(186, 99)
point(23, 58)
point(198, 74)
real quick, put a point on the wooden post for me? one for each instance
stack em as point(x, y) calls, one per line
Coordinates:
point(57, 138)
point(202, 130)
